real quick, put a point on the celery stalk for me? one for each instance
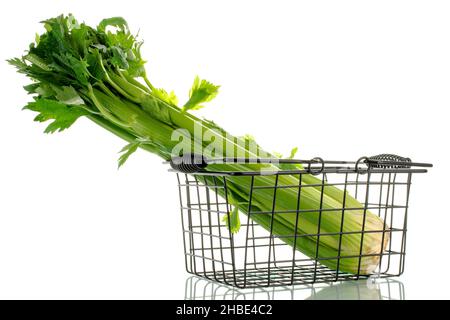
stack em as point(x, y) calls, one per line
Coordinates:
point(80, 71)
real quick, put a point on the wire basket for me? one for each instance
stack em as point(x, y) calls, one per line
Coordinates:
point(257, 257)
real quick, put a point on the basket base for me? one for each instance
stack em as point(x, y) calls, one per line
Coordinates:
point(281, 276)
point(198, 288)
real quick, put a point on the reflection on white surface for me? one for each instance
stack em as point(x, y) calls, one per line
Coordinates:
point(380, 289)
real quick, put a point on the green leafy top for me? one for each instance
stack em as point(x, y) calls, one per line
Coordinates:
point(71, 62)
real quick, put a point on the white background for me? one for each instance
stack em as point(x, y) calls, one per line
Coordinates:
point(339, 79)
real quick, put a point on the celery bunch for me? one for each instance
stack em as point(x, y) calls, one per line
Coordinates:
point(99, 73)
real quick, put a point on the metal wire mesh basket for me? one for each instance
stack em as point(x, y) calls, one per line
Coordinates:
point(258, 257)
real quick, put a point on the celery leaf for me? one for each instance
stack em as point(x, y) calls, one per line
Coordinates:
point(234, 223)
point(127, 151)
point(202, 91)
point(63, 116)
point(162, 94)
point(293, 153)
point(69, 96)
point(131, 148)
point(113, 22)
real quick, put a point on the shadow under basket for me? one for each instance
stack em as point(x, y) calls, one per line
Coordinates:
point(257, 255)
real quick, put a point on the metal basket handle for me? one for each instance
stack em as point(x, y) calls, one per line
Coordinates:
point(195, 163)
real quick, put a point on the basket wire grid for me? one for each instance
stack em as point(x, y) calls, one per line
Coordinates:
point(255, 257)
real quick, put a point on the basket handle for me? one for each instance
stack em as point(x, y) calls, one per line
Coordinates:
point(195, 163)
